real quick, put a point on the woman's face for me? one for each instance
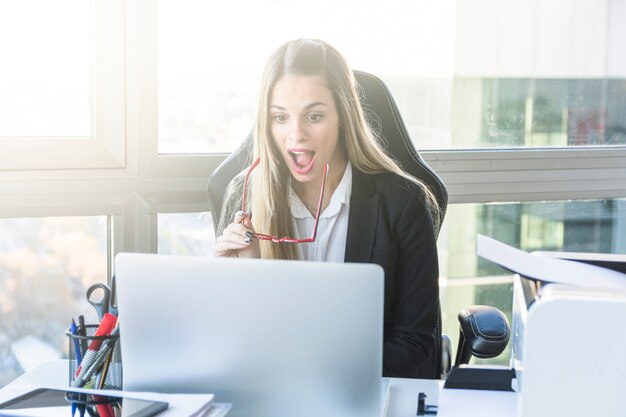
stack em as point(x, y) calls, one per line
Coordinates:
point(305, 126)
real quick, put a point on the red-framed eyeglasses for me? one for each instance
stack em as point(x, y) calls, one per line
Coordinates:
point(275, 239)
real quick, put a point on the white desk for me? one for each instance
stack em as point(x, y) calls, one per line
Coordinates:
point(402, 399)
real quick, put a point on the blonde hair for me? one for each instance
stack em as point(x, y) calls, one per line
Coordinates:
point(269, 183)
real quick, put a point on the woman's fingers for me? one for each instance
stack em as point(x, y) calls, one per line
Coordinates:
point(239, 217)
point(229, 244)
point(237, 233)
point(237, 238)
point(247, 222)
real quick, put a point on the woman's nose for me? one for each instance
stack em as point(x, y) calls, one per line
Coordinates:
point(297, 131)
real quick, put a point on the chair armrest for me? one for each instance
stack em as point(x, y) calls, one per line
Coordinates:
point(485, 333)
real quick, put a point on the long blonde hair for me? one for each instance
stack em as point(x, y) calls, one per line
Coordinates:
point(269, 183)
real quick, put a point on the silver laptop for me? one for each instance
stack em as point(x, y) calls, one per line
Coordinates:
point(275, 338)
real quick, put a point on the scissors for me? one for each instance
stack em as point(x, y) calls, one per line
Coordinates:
point(106, 304)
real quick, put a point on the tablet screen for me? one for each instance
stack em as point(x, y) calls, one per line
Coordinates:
point(50, 402)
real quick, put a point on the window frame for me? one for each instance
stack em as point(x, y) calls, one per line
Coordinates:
point(497, 175)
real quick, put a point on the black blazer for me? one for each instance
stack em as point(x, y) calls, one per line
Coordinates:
point(391, 225)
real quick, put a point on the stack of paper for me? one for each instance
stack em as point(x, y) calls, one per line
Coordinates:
point(549, 269)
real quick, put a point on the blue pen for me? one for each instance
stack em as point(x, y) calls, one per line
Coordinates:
point(78, 354)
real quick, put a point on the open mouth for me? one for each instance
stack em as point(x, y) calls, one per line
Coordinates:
point(303, 161)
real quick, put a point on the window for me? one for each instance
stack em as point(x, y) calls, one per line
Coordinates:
point(539, 113)
point(62, 98)
point(207, 92)
point(55, 102)
point(46, 266)
point(186, 234)
point(595, 226)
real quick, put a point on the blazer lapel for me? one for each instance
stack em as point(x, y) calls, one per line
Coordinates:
point(363, 218)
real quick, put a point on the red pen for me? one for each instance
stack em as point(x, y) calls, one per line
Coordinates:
point(104, 410)
point(104, 329)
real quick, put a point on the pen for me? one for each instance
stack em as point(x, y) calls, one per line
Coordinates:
point(90, 411)
point(82, 331)
point(104, 409)
point(101, 356)
point(105, 327)
point(81, 404)
point(78, 354)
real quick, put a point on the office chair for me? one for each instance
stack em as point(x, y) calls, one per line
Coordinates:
point(385, 119)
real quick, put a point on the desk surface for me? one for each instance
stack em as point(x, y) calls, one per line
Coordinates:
point(402, 398)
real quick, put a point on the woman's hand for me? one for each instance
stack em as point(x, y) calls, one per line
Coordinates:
point(237, 240)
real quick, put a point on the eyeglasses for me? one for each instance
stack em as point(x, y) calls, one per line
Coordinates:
point(275, 239)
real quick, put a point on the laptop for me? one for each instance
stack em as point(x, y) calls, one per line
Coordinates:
point(274, 338)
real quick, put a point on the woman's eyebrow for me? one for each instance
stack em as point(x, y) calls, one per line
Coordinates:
point(317, 103)
point(308, 106)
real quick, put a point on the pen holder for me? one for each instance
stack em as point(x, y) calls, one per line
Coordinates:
point(103, 358)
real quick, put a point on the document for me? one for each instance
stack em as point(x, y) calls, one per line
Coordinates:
point(548, 269)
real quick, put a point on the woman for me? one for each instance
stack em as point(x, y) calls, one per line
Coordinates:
point(315, 153)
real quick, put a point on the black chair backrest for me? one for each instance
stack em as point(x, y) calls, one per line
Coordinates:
point(384, 118)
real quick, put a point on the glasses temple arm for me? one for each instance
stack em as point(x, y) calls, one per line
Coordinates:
point(319, 203)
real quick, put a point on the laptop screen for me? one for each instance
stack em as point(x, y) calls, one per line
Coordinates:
point(275, 338)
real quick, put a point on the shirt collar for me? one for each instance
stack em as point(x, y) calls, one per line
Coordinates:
point(340, 197)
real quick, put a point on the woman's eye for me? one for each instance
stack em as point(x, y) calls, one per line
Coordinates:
point(280, 118)
point(315, 117)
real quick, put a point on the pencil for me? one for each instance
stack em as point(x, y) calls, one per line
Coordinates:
point(105, 368)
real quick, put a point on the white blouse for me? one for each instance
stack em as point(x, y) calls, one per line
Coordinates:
point(332, 228)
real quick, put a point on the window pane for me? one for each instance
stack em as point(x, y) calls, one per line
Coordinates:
point(208, 89)
point(596, 226)
point(45, 76)
point(185, 234)
point(46, 266)
point(539, 112)
point(496, 88)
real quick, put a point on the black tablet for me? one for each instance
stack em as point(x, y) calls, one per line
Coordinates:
point(48, 402)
